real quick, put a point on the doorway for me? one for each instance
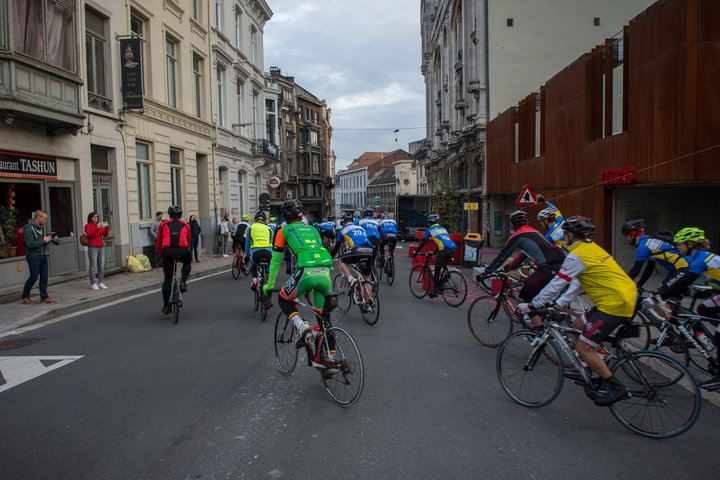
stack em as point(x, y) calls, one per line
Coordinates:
point(61, 221)
point(103, 205)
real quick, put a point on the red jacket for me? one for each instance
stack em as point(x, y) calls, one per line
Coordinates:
point(168, 229)
point(96, 234)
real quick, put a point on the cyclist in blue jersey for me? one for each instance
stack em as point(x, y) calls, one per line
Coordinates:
point(650, 250)
point(552, 220)
point(445, 248)
point(357, 248)
point(372, 229)
point(388, 235)
point(356, 217)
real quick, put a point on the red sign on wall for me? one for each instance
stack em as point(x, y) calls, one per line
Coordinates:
point(618, 176)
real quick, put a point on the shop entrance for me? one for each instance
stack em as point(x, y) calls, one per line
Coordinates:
point(61, 220)
point(103, 205)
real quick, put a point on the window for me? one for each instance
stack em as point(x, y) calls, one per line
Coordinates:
point(314, 139)
point(219, 14)
point(315, 163)
point(171, 66)
point(240, 90)
point(137, 27)
point(510, 22)
point(175, 178)
point(306, 162)
point(255, 114)
point(241, 191)
point(596, 21)
point(253, 44)
point(96, 53)
point(197, 66)
point(45, 30)
point(221, 96)
point(607, 98)
point(270, 120)
point(288, 142)
point(196, 9)
point(238, 27)
point(142, 156)
point(99, 158)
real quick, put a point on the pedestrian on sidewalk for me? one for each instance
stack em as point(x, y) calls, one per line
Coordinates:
point(95, 232)
point(195, 232)
point(36, 243)
point(225, 233)
point(153, 234)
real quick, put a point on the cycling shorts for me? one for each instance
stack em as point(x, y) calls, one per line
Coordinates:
point(598, 325)
point(328, 233)
point(306, 279)
point(261, 255)
point(356, 254)
point(181, 253)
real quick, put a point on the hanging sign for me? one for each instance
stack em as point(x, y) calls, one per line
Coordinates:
point(471, 206)
point(131, 73)
point(527, 197)
point(274, 182)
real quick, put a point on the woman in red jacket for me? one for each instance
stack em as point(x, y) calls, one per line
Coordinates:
point(95, 231)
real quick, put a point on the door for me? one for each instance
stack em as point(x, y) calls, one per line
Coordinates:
point(103, 205)
point(61, 220)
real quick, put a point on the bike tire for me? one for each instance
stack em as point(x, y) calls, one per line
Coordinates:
point(531, 377)
point(390, 273)
point(418, 276)
point(342, 288)
point(673, 344)
point(263, 309)
point(489, 321)
point(454, 289)
point(236, 268)
point(346, 385)
point(370, 314)
point(378, 267)
point(286, 353)
point(257, 297)
point(666, 404)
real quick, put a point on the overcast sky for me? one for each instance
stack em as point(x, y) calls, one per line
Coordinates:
point(363, 58)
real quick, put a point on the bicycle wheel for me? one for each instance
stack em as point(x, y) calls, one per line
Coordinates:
point(286, 353)
point(531, 376)
point(489, 321)
point(419, 281)
point(390, 270)
point(345, 376)
point(257, 298)
point(263, 307)
point(236, 268)
point(379, 266)
point(342, 288)
point(370, 311)
point(454, 288)
point(665, 399)
point(176, 301)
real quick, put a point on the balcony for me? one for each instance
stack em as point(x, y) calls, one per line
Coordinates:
point(35, 92)
point(266, 148)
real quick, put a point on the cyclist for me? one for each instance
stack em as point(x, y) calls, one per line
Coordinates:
point(327, 230)
point(173, 242)
point(356, 217)
point(239, 238)
point(533, 245)
point(552, 220)
point(388, 235)
point(312, 272)
point(651, 250)
point(258, 245)
point(358, 248)
point(272, 223)
point(612, 292)
point(372, 229)
point(444, 248)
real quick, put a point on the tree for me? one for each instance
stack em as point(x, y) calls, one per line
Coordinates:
point(448, 204)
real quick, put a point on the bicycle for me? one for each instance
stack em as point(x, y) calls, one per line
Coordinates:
point(239, 265)
point(262, 300)
point(675, 334)
point(385, 263)
point(490, 317)
point(369, 305)
point(664, 401)
point(453, 286)
point(175, 293)
point(333, 352)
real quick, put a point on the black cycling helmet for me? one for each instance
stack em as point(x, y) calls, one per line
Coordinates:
point(367, 212)
point(291, 209)
point(665, 235)
point(633, 227)
point(260, 215)
point(518, 218)
point(175, 212)
point(579, 226)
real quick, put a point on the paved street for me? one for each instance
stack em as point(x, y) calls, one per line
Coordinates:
point(204, 399)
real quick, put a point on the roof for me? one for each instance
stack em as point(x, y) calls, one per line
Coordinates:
point(385, 177)
point(370, 158)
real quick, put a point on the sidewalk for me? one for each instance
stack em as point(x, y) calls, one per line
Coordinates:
point(76, 295)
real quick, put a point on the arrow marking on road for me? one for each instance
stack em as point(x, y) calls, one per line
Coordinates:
point(17, 370)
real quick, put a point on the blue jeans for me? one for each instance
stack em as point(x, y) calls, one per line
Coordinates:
point(194, 241)
point(96, 257)
point(38, 265)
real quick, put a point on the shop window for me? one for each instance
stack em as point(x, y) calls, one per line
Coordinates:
point(25, 197)
point(175, 178)
point(142, 155)
point(45, 30)
point(61, 209)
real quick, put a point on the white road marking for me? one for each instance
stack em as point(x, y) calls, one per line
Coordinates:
point(17, 370)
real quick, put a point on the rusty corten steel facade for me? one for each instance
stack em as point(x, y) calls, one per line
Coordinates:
point(671, 109)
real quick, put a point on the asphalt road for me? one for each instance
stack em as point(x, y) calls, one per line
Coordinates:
point(204, 400)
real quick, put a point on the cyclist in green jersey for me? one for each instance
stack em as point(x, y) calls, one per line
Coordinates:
point(313, 266)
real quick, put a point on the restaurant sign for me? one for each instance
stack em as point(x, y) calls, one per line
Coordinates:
point(22, 165)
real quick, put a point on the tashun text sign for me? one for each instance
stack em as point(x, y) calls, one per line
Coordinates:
point(21, 165)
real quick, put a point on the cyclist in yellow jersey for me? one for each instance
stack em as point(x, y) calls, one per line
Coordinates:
point(258, 245)
point(612, 292)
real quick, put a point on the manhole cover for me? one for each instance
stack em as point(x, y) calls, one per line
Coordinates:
point(16, 342)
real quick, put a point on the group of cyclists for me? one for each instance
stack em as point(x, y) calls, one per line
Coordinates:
point(567, 262)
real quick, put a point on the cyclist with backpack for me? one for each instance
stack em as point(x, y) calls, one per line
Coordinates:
point(650, 251)
point(173, 242)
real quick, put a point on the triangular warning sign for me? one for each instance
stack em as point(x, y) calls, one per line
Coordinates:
point(527, 197)
point(17, 370)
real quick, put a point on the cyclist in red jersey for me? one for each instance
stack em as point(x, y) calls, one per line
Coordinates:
point(173, 242)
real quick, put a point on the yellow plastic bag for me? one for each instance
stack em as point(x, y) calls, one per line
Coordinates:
point(145, 261)
point(134, 265)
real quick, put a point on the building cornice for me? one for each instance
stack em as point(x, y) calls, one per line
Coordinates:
point(175, 118)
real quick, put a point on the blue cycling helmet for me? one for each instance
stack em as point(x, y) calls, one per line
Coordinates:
point(432, 218)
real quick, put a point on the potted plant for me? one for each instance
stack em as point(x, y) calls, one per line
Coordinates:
point(8, 223)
